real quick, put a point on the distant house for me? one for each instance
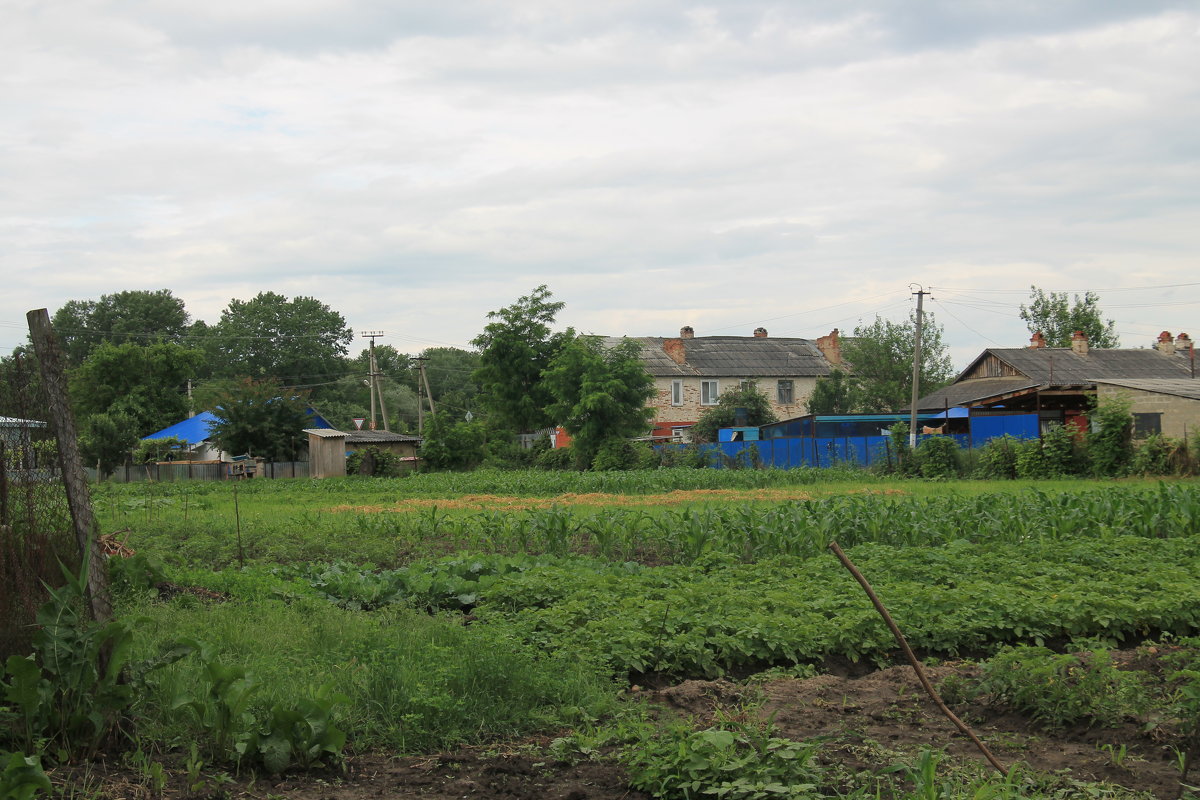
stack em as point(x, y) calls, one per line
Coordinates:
point(328, 448)
point(1059, 383)
point(196, 431)
point(690, 373)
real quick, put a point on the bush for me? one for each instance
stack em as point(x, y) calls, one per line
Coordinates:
point(1030, 460)
point(620, 454)
point(373, 461)
point(937, 457)
point(998, 458)
point(690, 456)
point(1108, 444)
point(1061, 455)
point(556, 458)
point(1154, 456)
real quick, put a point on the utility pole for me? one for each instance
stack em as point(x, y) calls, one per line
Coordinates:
point(423, 384)
point(376, 389)
point(916, 375)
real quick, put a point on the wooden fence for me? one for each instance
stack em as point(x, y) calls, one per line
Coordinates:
point(197, 472)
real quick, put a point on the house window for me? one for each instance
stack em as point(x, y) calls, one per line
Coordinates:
point(785, 391)
point(680, 434)
point(709, 392)
point(676, 393)
point(1146, 424)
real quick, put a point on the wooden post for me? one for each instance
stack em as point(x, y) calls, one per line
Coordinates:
point(74, 479)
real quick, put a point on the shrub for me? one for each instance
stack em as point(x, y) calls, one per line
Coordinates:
point(1030, 460)
point(374, 461)
point(998, 458)
point(559, 458)
point(1108, 443)
point(1153, 456)
point(1060, 452)
point(937, 457)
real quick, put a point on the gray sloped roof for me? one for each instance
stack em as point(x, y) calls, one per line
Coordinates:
point(969, 391)
point(1181, 387)
point(379, 437)
point(1060, 366)
point(733, 357)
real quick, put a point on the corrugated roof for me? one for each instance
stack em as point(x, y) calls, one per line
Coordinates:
point(378, 437)
point(324, 433)
point(197, 429)
point(965, 392)
point(1185, 387)
point(733, 357)
point(1059, 366)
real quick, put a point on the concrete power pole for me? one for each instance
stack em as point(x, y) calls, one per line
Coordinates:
point(423, 384)
point(916, 376)
point(376, 388)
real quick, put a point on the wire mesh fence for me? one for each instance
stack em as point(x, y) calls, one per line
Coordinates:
point(36, 533)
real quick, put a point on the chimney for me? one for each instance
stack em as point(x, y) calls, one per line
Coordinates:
point(1165, 344)
point(1183, 343)
point(686, 332)
point(831, 348)
point(674, 348)
point(1037, 341)
point(1079, 343)
point(760, 333)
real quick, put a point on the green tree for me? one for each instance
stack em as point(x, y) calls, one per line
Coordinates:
point(881, 357)
point(835, 393)
point(296, 341)
point(599, 393)
point(1057, 319)
point(106, 440)
point(452, 444)
point(744, 400)
point(260, 418)
point(144, 383)
point(514, 349)
point(136, 316)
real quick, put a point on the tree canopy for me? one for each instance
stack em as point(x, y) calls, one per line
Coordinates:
point(136, 316)
point(739, 402)
point(835, 393)
point(514, 349)
point(599, 393)
point(1058, 319)
point(260, 418)
point(144, 383)
point(881, 356)
point(295, 341)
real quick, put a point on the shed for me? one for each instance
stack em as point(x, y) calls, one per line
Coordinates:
point(326, 452)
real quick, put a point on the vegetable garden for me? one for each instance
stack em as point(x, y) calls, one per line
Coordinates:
point(304, 633)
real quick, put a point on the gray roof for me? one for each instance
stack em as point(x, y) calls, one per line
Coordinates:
point(966, 392)
point(324, 433)
point(379, 437)
point(1185, 387)
point(733, 357)
point(1060, 366)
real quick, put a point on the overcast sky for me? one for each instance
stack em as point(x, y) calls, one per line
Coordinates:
point(724, 165)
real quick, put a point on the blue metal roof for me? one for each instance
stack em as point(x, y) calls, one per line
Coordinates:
point(197, 429)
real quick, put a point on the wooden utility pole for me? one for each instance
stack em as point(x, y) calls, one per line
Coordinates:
point(425, 380)
point(376, 387)
point(79, 501)
point(916, 372)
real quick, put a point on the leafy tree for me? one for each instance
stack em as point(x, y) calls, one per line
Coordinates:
point(599, 393)
point(881, 356)
point(725, 413)
point(136, 316)
point(835, 393)
point(107, 439)
point(1110, 441)
point(260, 418)
point(295, 341)
point(1057, 319)
point(450, 444)
point(144, 383)
point(150, 450)
point(514, 349)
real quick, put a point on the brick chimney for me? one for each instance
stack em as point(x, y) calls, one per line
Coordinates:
point(760, 333)
point(686, 332)
point(674, 348)
point(1079, 343)
point(831, 348)
point(1165, 344)
point(1037, 341)
point(1183, 343)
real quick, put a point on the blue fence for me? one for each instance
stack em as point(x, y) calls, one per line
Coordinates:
point(810, 451)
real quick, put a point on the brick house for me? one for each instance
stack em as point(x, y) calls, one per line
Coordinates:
point(690, 372)
point(1058, 383)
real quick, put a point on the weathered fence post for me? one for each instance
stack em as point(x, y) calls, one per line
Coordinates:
point(74, 479)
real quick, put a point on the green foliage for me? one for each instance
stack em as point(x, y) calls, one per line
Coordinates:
point(148, 451)
point(23, 777)
point(556, 458)
point(835, 393)
point(1061, 454)
point(1153, 456)
point(1058, 690)
point(144, 382)
point(997, 459)
point(260, 418)
point(295, 341)
point(1030, 460)
point(903, 461)
point(732, 759)
point(599, 393)
point(451, 444)
point(622, 454)
point(1109, 443)
point(379, 463)
point(514, 350)
point(1057, 320)
point(881, 357)
point(937, 457)
point(106, 439)
point(725, 414)
point(135, 317)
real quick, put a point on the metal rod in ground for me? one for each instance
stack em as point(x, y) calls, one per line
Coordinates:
point(912, 659)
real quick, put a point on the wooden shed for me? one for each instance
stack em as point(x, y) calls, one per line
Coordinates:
point(326, 452)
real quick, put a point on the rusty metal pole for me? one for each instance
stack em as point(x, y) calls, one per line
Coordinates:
point(79, 500)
